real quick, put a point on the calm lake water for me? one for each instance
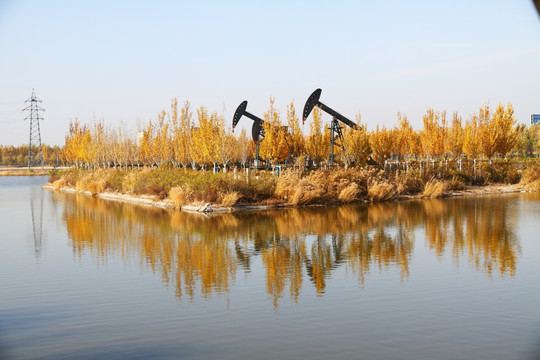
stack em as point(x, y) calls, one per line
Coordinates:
point(82, 278)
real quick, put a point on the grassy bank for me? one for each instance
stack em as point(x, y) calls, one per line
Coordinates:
point(25, 172)
point(293, 187)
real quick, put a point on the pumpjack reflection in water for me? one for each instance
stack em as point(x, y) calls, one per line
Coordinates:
point(197, 254)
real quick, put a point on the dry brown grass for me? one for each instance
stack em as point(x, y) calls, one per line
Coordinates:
point(97, 187)
point(130, 181)
point(231, 198)
point(324, 186)
point(381, 191)
point(407, 183)
point(60, 183)
point(349, 193)
point(531, 176)
point(286, 184)
point(305, 192)
point(92, 181)
point(434, 189)
point(24, 172)
point(81, 184)
point(180, 195)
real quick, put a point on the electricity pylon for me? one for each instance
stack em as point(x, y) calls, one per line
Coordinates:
point(35, 152)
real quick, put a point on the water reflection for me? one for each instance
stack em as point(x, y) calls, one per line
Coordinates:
point(200, 255)
point(36, 210)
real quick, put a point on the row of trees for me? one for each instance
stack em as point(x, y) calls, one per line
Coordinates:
point(18, 155)
point(179, 138)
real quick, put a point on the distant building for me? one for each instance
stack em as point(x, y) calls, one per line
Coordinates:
point(535, 119)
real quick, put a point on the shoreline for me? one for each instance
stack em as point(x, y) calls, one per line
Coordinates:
point(152, 201)
point(208, 208)
point(25, 171)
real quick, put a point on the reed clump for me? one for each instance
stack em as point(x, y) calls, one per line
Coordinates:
point(306, 192)
point(434, 189)
point(350, 193)
point(230, 198)
point(381, 191)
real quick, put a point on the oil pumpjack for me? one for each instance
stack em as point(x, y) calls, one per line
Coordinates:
point(336, 135)
point(257, 130)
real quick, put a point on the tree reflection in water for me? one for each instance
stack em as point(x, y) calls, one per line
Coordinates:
point(198, 254)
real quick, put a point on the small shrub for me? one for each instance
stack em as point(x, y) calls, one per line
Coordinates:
point(97, 187)
point(53, 176)
point(180, 195)
point(115, 179)
point(455, 184)
point(408, 182)
point(130, 181)
point(461, 176)
point(531, 176)
point(158, 190)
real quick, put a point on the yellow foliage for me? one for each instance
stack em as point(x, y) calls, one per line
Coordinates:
point(433, 135)
point(318, 143)
point(173, 138)
point(453, 142)
point(356, 143)
point(382, 143)
point(275, 146)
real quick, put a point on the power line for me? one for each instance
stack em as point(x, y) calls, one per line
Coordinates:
point(10, 102)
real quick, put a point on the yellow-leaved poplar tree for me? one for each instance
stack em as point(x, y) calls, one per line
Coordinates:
point(382, 142)
point(297, 138)
point(432, 136)
point(471, 138)
point(504, 124)
point(318, 142)
point(453, 142)
point(356, 143)
point(274, 148)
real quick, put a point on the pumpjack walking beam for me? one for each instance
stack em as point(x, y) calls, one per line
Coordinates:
point(257, 130)
point(335, 126)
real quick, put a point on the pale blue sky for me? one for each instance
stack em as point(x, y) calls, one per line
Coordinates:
point(125, 60)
